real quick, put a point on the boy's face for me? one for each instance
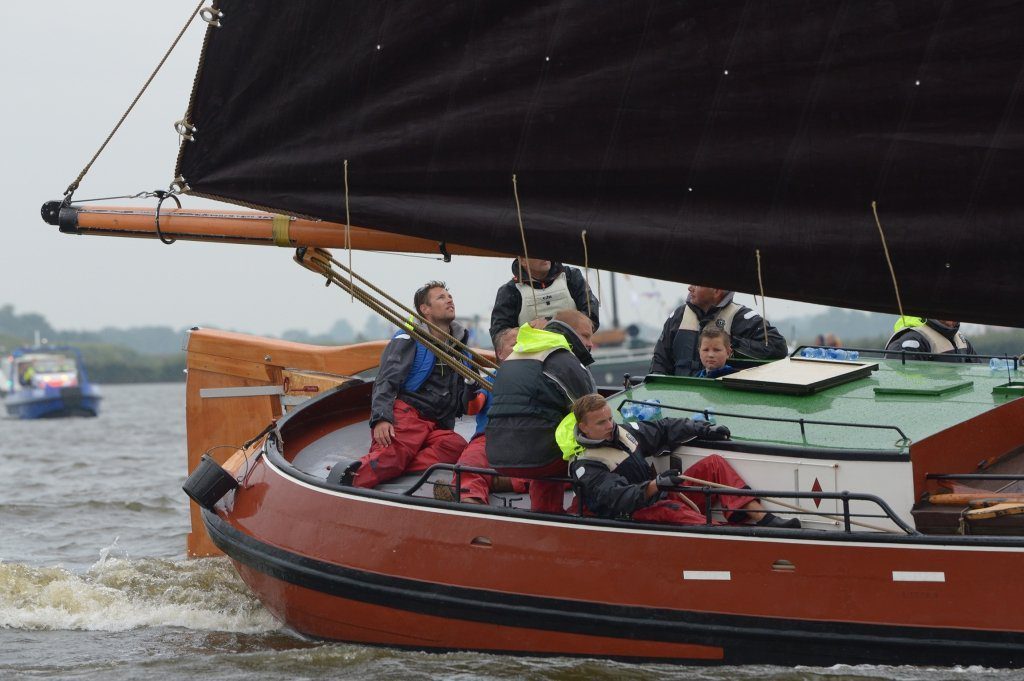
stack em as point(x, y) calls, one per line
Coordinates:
point(713, 353)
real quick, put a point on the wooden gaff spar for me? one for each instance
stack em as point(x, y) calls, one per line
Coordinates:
point(238, 227)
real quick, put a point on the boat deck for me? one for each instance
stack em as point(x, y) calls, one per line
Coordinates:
point(920, 398)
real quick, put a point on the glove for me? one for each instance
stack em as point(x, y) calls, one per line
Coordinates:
point(715, 433)
point(668, 480)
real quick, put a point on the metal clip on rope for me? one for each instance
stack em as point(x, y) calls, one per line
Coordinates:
point(211, 15)
point(185, 130)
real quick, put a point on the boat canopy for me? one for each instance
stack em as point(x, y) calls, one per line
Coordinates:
point(682, 137)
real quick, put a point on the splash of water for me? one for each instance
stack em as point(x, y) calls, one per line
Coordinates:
point(117, 594)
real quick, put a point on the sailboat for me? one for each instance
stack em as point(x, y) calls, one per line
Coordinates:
point(737, 144)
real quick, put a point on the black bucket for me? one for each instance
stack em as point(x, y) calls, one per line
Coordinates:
point(208, 483)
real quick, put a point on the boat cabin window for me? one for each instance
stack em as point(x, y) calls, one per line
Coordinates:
point(50, 370)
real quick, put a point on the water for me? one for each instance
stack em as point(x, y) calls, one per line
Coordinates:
point(94, 583)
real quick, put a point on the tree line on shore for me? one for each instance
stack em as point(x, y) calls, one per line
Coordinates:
point(149, 354)
point(154, 354)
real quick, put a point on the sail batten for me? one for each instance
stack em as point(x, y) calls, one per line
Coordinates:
point(682, 136)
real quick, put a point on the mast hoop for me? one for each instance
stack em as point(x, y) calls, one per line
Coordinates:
point(162, 195)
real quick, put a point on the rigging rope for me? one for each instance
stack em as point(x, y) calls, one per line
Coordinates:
point(760, 283)
point(448, 349)
point(522, 235)
point(348, 225)
point(586, 271)
point(885, 247)
point(409, 311)
point(74, 185)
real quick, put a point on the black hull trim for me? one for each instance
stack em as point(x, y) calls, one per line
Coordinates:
point(744, 640)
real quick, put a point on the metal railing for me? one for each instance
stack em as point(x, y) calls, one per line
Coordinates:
point(848, 517)
point(904, 440)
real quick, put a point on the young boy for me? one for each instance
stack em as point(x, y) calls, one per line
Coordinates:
point(715, 351)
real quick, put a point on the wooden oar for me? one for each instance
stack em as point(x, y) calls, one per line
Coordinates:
point(963, 499)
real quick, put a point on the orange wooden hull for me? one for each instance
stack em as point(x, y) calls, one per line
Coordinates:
point(373, 567)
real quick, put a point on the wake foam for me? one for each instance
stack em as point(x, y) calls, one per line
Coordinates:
point(117, 594)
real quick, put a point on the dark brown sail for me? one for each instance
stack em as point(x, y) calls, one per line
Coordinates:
point(681, 136)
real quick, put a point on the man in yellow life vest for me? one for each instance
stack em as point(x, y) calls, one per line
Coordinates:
point(934, 336)
point(609, 463)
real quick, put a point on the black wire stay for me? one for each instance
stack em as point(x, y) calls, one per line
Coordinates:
point(707, 491)
point(778, 419)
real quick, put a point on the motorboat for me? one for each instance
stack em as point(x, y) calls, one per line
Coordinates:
point(49, 382)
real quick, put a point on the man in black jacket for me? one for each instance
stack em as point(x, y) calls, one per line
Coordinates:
point(534, 389)
point(677, 350)
point(416, 399)
point(538, 290)
point(615, 480)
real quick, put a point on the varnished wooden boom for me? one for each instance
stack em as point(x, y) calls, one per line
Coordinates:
point(244, 227)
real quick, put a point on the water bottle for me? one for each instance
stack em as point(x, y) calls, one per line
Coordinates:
point(631, 411)
point(699, 416)
point(830, 353)
point(1000, 364)
point(650, 412)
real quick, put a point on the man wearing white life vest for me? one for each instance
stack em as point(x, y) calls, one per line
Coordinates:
point(416, 400)
point(608, 461)
point(677, 351)
point(939, 337)
point(538, 290)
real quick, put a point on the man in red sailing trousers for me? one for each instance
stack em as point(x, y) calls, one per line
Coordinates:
point(416, 399)
point(609, 464)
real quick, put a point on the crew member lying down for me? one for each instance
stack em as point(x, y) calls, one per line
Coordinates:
point(607, 461)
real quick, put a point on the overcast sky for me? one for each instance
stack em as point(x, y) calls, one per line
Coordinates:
point(70, 68)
